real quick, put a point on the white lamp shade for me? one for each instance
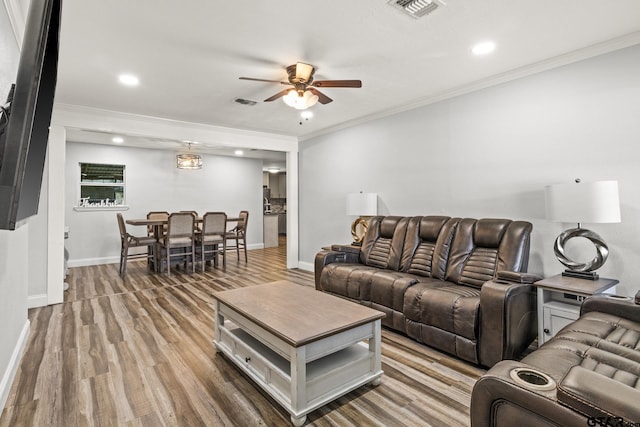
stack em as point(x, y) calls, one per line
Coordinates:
point(584, 202)
point(362, 204)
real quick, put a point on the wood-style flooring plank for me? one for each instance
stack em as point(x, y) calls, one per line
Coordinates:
point(138, 351)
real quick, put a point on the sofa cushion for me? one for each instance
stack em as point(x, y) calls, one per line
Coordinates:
point(382, 244)
point(482, 247)
point(427, 244)
point(597, 396)
point(452, 308)
point(348, 280)
point(388, 288)
point(603, 343)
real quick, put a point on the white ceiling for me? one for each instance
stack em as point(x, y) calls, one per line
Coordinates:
point(188, 55)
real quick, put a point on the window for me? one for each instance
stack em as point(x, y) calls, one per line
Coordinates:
point(101, 185)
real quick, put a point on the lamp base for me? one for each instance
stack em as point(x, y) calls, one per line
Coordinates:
point(586, 275)
point(359, 229)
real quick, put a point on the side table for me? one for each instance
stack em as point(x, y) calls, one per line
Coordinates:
point(559, 299)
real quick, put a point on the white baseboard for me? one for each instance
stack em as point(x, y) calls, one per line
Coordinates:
point(14, 362)
point(84, 262)
point(309, 266)
point(34, 301)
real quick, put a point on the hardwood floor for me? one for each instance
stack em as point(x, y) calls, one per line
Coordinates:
point(139, 352)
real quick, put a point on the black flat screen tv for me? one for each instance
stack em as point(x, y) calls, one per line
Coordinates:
point(26, 116)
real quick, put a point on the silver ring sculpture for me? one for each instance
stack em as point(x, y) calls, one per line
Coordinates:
point(602, 251)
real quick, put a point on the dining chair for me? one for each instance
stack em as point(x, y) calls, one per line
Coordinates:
point(238, 235)
point(163, 215)
point(128, 241)
point(196, 226)
point(180, 235)
point(214, 227)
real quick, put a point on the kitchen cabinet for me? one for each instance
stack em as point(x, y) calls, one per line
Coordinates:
point(278, 185)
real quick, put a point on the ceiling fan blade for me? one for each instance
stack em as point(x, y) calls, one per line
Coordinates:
point(337, 83)
point(277, 95)
point(322, 98)
point(264, 80)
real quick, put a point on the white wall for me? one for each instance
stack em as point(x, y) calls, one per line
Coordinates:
point(153, 182)
point(38, 249)
point(14, 245)
point(490, 154)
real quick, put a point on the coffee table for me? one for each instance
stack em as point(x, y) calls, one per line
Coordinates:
point(303, 347)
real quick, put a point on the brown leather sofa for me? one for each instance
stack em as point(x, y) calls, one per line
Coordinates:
point(587, 375)
point(434, 277)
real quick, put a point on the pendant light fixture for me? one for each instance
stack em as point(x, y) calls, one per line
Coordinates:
point(189, 160)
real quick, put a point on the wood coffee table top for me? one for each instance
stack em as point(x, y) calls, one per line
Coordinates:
point(294, 313)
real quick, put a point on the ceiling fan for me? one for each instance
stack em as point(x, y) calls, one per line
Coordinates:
point(304, 92)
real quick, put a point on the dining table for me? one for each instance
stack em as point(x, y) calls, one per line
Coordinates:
point(159, 225)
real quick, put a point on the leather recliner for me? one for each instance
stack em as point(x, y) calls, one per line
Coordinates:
point(434, 278)
point(588, 374)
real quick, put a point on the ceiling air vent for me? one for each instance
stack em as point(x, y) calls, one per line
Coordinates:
point(245, 101)
point(417, 8)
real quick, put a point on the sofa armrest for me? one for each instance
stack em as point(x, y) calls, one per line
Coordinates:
point(598, 396)
point(517, 277)
point(350, 249)
point(338, 253)
point(508, 320)
point(498, 400)
point(611, 304)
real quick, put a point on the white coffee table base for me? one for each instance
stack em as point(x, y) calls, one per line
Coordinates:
point(303, 378)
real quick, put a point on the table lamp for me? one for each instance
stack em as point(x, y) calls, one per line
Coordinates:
point(588, 202)
point(364, 206)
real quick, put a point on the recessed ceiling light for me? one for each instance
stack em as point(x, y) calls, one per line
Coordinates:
point(483, 48)
point(273, 170)
point(117, 140)
point(238, 152)
point(128, 80)
point(306, 114)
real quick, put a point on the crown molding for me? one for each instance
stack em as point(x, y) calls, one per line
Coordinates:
point(517, 73)
point(89, 118)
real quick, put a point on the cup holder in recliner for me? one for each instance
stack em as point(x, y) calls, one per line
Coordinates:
point(618, 297)
point(531, 379)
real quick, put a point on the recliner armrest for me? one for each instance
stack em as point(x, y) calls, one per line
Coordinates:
point(347, 248)
point(497, 400)
point(611, 304)
point(329, 257)
point(508, 320)
point(599, 396)
point(517, 277)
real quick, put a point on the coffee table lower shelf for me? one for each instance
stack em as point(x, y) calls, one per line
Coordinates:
point(301, 379)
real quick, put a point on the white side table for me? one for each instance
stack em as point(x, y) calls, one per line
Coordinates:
point(559, 300)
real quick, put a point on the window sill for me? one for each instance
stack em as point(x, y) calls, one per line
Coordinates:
point(100, 208)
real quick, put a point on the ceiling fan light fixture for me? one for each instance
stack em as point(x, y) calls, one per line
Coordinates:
point(300, 102)
point(304, 71)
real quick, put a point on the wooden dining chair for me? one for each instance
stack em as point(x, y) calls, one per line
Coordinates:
point(128, 241)
point(238, 235)
point(163, 215)
point(196, 226)
point(180, 235)
point(214, 227)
